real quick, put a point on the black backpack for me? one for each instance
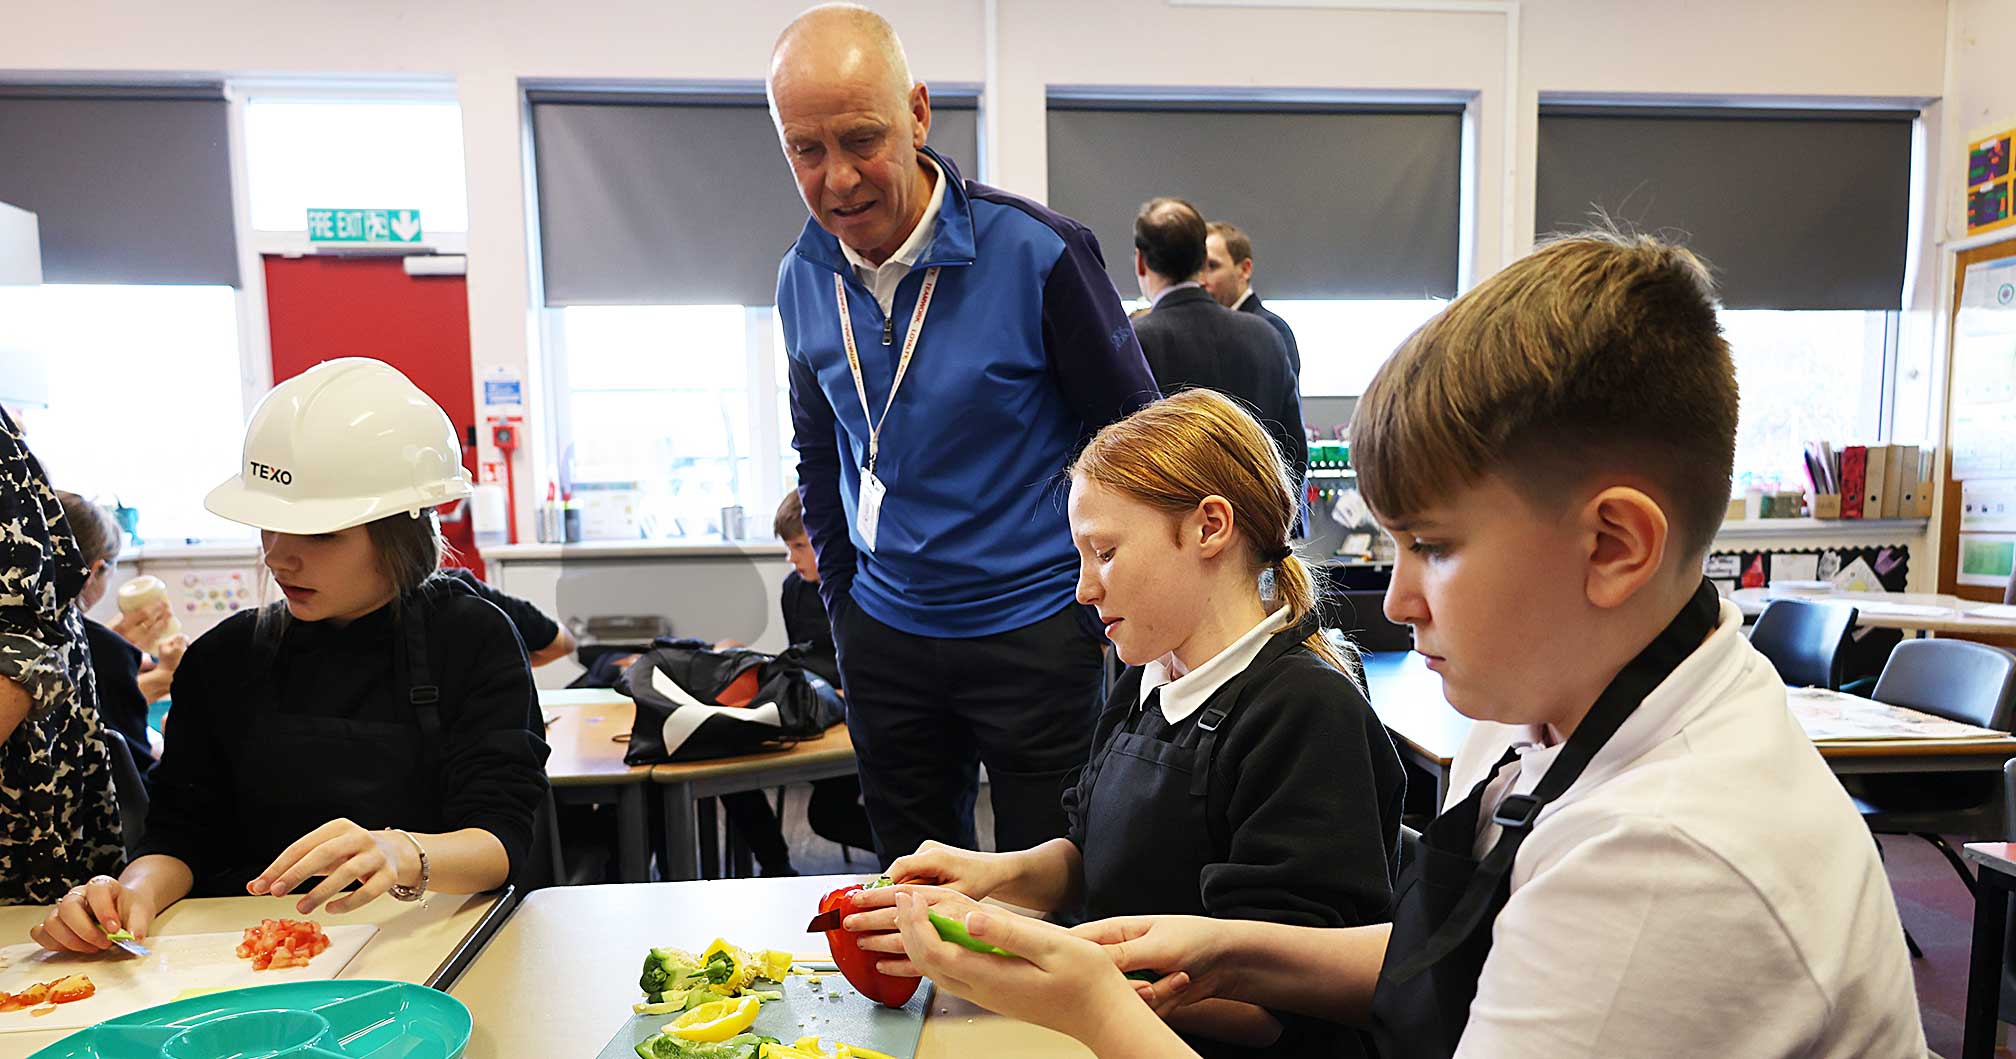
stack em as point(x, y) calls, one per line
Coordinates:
point(676, 685)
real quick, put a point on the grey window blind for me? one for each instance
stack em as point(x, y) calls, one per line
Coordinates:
point(677, 198)
point(129, 184)
point(1793, 209)
point(1358, 202)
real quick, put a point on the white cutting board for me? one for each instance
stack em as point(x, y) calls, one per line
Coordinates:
point(181, 962)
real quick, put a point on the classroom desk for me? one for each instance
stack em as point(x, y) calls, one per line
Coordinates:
point(1407, 696)
point(1920, 613)
point(430, 942)
point(587, 765)
point(559, 979)
point(684, 784)
point(1995, 885)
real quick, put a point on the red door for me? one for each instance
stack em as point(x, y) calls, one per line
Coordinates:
point(323, 307)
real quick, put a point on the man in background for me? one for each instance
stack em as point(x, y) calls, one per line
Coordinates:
point(1191, 340)
point(1228, 275)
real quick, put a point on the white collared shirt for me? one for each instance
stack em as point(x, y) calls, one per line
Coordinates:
point(1704, 888)
point(1243, 295)
point(1186, 694)
point(1171, 289)
point(882, 279)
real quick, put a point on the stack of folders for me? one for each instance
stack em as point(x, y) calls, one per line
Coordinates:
point(1869, 481)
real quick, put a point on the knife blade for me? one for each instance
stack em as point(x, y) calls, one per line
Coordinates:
point(826, 921)
point(131, 947)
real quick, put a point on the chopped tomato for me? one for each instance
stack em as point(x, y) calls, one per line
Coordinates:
point(33, 995)
point(11, 1003)
point(276, 944)
point(74, 988)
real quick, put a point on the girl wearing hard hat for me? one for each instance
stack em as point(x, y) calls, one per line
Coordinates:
point(378, 727)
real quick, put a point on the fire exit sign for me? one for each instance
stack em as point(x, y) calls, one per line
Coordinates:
point(364, 226)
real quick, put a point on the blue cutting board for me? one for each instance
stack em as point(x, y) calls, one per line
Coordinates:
point(831, 1010)
point(342, 1019)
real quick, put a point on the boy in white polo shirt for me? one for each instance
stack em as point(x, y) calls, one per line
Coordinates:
point(1643, 854)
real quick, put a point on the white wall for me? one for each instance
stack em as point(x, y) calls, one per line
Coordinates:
point(1885, 49)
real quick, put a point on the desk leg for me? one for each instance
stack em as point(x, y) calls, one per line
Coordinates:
point(633, 843)
point(710, 838)
point(1984, 965)
point(682, 838)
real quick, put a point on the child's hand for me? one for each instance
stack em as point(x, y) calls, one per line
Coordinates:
point(1063, 982)
point(143, 628)
point(169, 653)
point(876, 920)
point(970, 872)
point(82, 919)
point(1184, 950)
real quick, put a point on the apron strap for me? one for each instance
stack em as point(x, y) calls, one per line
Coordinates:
point(421, 691)
point(1516, 814)
point(1240, 689)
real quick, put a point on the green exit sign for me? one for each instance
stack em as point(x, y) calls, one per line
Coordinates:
point(364, 226)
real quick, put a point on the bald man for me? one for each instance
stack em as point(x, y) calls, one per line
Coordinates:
point(950, 345)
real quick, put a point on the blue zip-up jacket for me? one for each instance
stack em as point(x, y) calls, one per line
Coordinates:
point(1025, 353)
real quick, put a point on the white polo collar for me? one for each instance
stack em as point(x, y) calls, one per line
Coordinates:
point(1187, 694)
point(920, 236)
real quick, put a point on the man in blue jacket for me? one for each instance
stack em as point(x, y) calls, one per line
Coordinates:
point(950, 346)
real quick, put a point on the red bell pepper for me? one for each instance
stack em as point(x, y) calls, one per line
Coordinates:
point(859, 966)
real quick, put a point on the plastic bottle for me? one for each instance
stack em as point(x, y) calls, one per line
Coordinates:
point(141, 592)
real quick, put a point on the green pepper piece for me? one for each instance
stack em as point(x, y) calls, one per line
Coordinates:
point(955, 932)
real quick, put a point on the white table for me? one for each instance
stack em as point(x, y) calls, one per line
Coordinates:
point(559, 979)
point(1911, 611)
point(427, 943)
point(1407, 697)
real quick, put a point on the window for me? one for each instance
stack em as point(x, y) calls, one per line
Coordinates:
point(1805, 376)
point(145, 400)
point(1344, 342)
point(304, 154)
point(665, 401)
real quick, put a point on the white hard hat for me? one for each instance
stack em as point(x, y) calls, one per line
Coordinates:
point(344, 443)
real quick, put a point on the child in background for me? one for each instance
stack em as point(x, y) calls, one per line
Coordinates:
point(125, 684)
point(835, 811)
point(1643, 853)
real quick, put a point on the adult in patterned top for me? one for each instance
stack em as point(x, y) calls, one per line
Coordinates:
point(59, 816)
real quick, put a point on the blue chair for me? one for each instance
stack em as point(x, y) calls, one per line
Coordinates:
point(1804, 641)
point(1960, 681)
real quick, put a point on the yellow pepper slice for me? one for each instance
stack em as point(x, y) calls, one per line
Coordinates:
point(716, 1021)
point(771, 964)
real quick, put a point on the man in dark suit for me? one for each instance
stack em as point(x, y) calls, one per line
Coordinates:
point(1191, 340)
point(1228, 275)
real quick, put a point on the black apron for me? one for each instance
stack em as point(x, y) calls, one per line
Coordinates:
point(1149, 829)
point(1152, 824)
point(377, 773)
point(1446, 901)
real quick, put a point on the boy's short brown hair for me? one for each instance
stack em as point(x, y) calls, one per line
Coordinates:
point(790, 520)
point(1596, 354)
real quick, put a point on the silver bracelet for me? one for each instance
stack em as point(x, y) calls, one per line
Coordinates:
point(411, 893)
